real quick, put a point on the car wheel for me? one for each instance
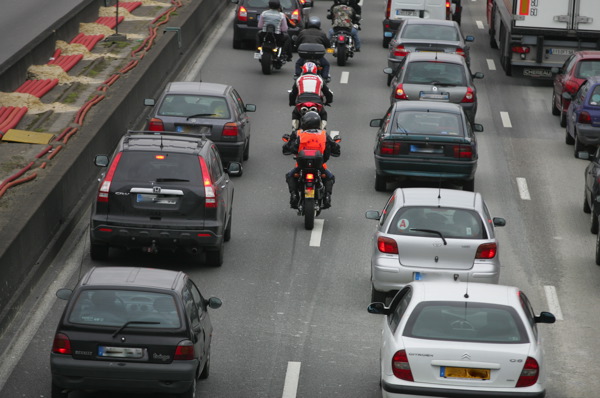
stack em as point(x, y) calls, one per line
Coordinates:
point(555, 110)
point(58, 392)
point(469, 185)
point(377, 296)
point(237, 43)
point(563, 118)
point(191, 393)
point(247, 150)
point(380, 183)
point(389, 79)
point(569, 140)
point(598, 249)
point(227, 233)
point(214, 257)
point(594, 222)
point(586, 206)
point(206, 370)
point(386, 42)
point(98, 251)
point(578, 146)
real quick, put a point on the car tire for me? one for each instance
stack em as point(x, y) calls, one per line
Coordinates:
point(227, 233)
point(377, 296)
point(569, 140)
point(380, 183)
point(469, 185)
point(587, 209)
point(58, 392)
point(191, 393)
point(214, 257)
point(578, 146)
point(594, 222)
point(237, 42)
point(99, 252)
point(563, 118)
point(206, 370)
point(246, 150)
point(386, 42)
point(598, 249)
point(555, 110)
point(389, 79)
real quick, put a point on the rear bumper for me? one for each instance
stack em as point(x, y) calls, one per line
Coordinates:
point(73, 374)
point(425, 169)
point(588, 135)
point(231, 151)
point(402, 391)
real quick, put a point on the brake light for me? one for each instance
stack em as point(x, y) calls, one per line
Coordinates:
point(302, 2)
point(184, 351)
point(242, 14)
point(156, 125)
point(460, 51)
point(529, 374)
point(447, 3)
point(469, 96)
point(388, 9)
point(571, 87)
point(387, 245)
point(61, 345)
point(401, 367)
point(486, 251)
point(310, 177)
point(389, 148)
point(104, 190)
point(400, 51)
point(295, 15)
point(341, 38)
point(399, 93)
point(230, 130)
point(584, 118)
point(521, 49)
point(463, 151)
point(210, 196)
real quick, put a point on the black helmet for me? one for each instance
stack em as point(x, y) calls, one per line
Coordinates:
point(274, 4)
point(314, 22)
point(310, 120)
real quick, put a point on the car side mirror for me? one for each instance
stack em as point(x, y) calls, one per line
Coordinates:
point(375, 123)
point(372, 215)
point(250, 108)
point(478, 127)
point(388, 71)
point(149, 102)
point(234, 1)
point(377, 309)
point(478, 75)
point(101, 160)
point(64, 294)
point(234, 169)
point(567, 96)
point(545, 317)
point(214, 303)
point(470, 38)
point(499, 222)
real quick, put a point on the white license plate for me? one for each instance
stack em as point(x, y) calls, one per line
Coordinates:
point(256, 55)
point(561, 51)
point(407, 13)
point(531, 72)
point(434, 96)
point(120, 352)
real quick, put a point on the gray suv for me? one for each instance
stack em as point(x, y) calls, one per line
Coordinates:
point(164, 191)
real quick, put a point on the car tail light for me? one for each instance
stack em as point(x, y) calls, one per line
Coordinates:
point(184, 351)
point(463, 151)
point(399, 93)
point(295, 15)
point(401, 367)
point(104, 190)
point(390, 148)
point(230, 130)
point(469, 96)
point(310, 177)
point(400, 51)
point(460, 51)
point(242, 15)
point(529, 374)
point(388, 9)
point(486, 251)
point(447, 3)
point(584, 118)
point(61, 345)
point(302, 2)
point(387, 245)
point(521, 49)
point(156, 125)
point(571, 87)
point(210, 195)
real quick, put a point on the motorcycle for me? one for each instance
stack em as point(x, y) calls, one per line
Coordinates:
point(343, 45)
point(269, 54)
point(311, 189)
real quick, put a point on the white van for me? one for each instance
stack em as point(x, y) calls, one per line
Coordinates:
point(396, 10)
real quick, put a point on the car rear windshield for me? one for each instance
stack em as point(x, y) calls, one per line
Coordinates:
point(114, 307)
point(163, 167)
point(199, 106)
point(435, 73)
point(471, 322)
point(285, 4)
point(430, 32)
point(450, 222)
point(588, 68)
point(436, 123)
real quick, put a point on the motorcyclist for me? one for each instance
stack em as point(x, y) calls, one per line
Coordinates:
point(344, 16)
point(310, 87)
point(311, 136)
point(312, 33)
point(274, 16)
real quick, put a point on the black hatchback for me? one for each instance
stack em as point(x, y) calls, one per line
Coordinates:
point(131, 329)
point(163, 191)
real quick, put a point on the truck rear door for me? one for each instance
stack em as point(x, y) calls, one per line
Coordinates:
point(587, 15)
point(542, 13)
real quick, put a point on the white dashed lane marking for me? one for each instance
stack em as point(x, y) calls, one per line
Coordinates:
point(490, 63)
point(290, 386)
point(344, 77)
point(479, 24)
point(523, 190)
point(317, 233)
point(553, 305)
point(505, 120)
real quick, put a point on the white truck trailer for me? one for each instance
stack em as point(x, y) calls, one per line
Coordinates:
point(534, 36)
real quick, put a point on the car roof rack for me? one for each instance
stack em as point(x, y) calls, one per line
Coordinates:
point(171, 134)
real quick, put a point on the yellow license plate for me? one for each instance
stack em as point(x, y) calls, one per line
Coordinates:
point(466, 373)
point(330, 50)
point(309, 193)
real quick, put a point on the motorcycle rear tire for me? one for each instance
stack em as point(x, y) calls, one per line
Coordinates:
point(266, 62)
point(342, 55)
point(309, 213)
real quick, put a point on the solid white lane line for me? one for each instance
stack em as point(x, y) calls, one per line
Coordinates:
point(523, 190)
point(290, 386)
point(479, 24)
point(505, 120)
point(553, 305)
point(491, 64)
point(317, 232)
point(344, 77)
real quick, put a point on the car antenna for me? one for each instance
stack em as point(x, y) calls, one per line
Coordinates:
point(439, 192)
point(161, 142)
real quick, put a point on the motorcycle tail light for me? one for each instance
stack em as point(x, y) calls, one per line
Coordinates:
point(296, 15)
point(310, 177)
point(341, 38)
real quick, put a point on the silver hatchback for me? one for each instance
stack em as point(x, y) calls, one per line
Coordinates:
point(432, 232)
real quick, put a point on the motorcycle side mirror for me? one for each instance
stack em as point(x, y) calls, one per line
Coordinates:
point(285, 138)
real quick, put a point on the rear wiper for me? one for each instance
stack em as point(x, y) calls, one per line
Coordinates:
point(401, 129)
point(431, 231)
point(171, 180)
point(201, 115)
point(119, 330)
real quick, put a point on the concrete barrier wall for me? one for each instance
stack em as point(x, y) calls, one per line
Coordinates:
point(41, 225)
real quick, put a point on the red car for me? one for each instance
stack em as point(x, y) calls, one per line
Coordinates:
point(577, 68)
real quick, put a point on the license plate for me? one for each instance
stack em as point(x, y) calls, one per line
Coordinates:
point(418, 149)
point(434, 96)
point(309, 193)
point(465, 373)
point(530, 72)
point(407, 13)
point(560, 51)
point(151, 198)
point(120, 352)
point(256, 55)
point(330, 50)
point(192, 129)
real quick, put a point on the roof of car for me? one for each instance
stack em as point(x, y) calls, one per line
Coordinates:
point(158, 141)
point(448, 290)
point(133, 277)
point(429, 21)
point(435, 56)
point(196, 88)
point(588, 54)
point(438, 197)
point(425, 106)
